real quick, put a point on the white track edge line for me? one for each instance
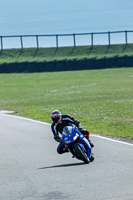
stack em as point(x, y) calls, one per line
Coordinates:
point(45, 123)
point(112, 140)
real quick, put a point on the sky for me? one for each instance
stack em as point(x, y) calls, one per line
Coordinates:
point(18, 17)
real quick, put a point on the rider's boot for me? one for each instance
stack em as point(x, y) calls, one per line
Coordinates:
point(91, 144)
point(86, 135)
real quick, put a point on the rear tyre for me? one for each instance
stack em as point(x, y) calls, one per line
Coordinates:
point(80, 154)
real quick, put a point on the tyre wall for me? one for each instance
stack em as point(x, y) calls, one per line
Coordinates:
point(67, 65)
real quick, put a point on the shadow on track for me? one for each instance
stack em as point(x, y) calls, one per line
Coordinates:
point(64, 165)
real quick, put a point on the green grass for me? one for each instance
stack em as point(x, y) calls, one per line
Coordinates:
point(101, 99)
point(46, 54)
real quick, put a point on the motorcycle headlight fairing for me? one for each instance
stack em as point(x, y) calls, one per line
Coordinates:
point(76, 136)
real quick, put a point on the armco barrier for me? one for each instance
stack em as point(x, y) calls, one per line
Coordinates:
point(71, 65)
point(50, 66)
point(40, 66)
point(130, 61)
point(80, 64)
point(61, 65)
point(100, 63)
point(67, 65)
point(90, 63)
point(3, 68)
point(121, 61)
point(111, 62)
point(22, 67)
point(31, 67)
point(11, 67)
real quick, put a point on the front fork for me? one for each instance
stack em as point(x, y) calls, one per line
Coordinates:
point(87, 145)
point(85, 142)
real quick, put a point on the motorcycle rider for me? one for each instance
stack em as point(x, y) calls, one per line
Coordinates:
point(59, 122)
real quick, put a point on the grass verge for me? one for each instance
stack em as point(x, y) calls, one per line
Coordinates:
point(101, 99)
point(47, 54)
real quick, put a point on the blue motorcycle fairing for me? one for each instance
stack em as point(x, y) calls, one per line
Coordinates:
point(69, 133)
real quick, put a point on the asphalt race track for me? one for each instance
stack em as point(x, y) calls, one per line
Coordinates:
point(30, 168)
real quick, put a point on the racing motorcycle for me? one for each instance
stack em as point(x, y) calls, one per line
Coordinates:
point(77, 144)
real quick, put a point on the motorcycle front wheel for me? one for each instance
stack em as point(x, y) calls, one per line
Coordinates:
point(80, 154)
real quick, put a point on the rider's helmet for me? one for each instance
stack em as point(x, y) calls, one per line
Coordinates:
point(56, 116)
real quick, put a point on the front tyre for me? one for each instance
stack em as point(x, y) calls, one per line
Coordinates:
point(92, 158)
point(80, 154)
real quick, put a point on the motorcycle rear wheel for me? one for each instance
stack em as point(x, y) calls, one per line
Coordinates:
point(81, 154)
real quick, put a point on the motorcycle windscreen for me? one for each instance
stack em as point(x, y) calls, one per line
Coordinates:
point(67, 130)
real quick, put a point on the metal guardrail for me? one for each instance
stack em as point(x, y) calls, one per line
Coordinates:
point(109, 33)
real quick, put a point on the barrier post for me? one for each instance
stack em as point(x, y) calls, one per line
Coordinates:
point(21, 40)
point(1, 43)
point(56, 41)
point(109, 38)
point(74, 40)
point(37, 42)
point(92, 39)
point(126, 37)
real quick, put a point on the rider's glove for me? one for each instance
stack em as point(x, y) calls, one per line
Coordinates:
point(87, 132)
point(77, 124)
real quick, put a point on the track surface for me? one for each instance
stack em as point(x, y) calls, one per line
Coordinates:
point(30, 168)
